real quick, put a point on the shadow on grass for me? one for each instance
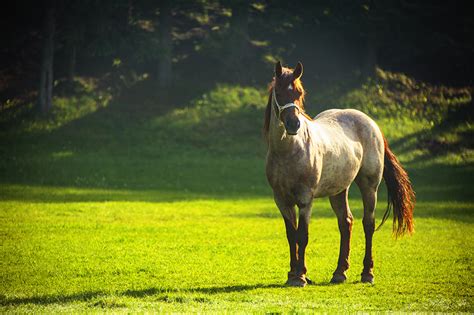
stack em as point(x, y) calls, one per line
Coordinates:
point(110, 150)
point(52, 194)
point(119, 154)
point(205, 290)
point(139, 294)
point(432, 183)
point(54, 299)
point(442, 192)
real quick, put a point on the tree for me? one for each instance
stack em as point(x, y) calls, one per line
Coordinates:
point(239, 28)
point(237, 42)
point(166, 45)
point(73, 28)
point(45, 93)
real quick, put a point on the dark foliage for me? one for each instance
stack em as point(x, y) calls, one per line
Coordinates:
point(202, 42)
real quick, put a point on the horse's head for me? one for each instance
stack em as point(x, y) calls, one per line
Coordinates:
point(288, 95)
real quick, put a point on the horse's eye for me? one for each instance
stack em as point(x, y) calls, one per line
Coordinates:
point(290, 87)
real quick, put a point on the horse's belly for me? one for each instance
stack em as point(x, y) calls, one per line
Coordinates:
point(330, 188)
point(336, 176)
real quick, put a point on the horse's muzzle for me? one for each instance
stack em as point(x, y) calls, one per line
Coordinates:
point(292, 126)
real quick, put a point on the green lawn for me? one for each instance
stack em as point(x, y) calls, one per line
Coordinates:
point(170, 211)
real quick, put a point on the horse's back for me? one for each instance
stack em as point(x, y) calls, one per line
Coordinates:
point(327, 113)
point(345, 115)
point(362, 131)
point(351, 121)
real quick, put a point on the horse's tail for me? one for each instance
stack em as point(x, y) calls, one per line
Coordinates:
point(401, 197)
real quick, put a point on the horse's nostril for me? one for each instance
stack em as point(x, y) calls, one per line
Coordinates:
point(292, 126)
point(295, 124)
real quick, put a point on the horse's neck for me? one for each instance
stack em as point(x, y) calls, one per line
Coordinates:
point(280, 141)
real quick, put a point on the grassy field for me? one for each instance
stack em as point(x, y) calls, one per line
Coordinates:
point(135, 207)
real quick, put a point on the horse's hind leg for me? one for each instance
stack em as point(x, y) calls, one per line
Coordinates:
point(368, 189)
point(340, 205)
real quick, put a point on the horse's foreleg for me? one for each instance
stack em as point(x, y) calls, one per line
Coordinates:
point(340, 205)
point(298, 278)
point(302, 238)
point(288, 212)
point(369, 197)
point(291, 236)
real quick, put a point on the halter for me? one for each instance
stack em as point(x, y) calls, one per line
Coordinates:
point(282, 108)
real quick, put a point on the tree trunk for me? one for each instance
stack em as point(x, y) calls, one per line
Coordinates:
point(166, 45)
point(370, 61)
point(72, 63)
point(45, 93)
point(239, 24)
point(239, 36)
point(130, 13)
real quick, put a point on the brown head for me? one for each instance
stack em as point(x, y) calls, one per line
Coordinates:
point(287, 97)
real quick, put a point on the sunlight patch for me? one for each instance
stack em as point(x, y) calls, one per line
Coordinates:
point(62, 154)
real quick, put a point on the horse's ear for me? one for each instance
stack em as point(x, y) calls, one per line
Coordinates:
point(298, 71)
point(278, 69)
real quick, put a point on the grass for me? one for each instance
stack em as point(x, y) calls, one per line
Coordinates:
point(208, 254)
point(169, 211)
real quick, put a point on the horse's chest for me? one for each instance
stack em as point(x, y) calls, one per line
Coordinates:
point(291, 175)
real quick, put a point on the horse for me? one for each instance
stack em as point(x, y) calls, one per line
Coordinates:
point(313, 158)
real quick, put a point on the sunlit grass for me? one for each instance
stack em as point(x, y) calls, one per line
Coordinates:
point(209, 254)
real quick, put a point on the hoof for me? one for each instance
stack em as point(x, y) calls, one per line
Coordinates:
point(308, 280)
point(296, 281)
point(367, 279)
point(338, 278)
